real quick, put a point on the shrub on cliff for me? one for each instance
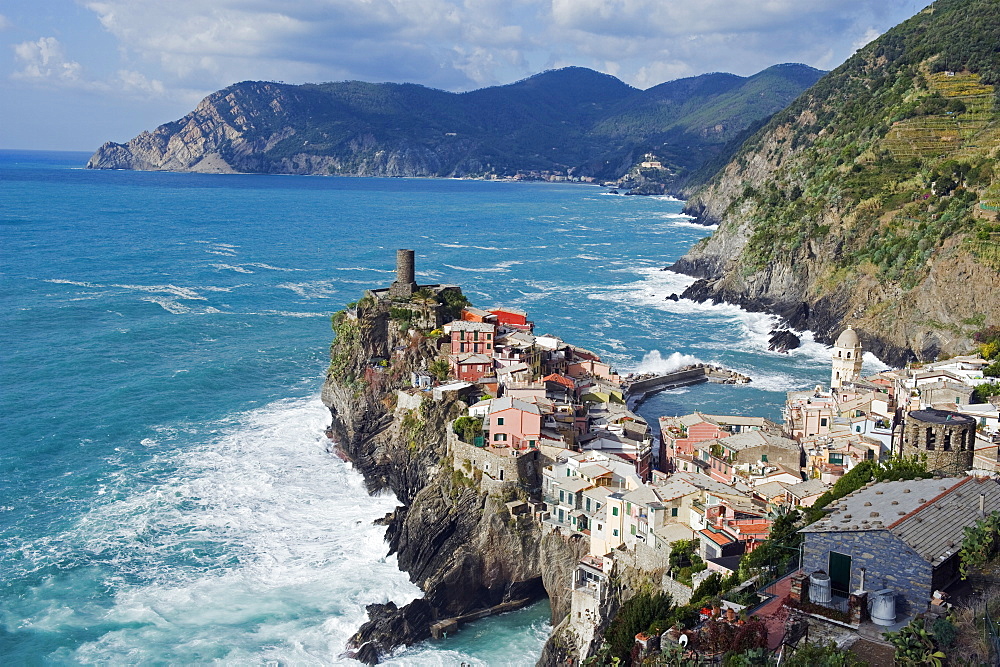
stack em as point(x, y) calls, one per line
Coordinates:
point(638, 614)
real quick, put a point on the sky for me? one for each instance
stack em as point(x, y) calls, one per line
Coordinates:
point(77, 73)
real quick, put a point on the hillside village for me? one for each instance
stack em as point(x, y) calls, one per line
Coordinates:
point(687, 501)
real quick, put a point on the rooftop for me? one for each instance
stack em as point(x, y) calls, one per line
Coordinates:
point(932, 416)
point(929, 515)
point(462, 325)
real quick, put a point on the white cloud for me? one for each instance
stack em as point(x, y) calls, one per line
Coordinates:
point(870, 35)
point(45, 60)
point(4, 22)
point(463, 44)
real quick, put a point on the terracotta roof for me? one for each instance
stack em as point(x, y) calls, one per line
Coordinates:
point(719, 538)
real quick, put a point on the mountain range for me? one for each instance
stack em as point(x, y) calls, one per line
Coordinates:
point(573, 122)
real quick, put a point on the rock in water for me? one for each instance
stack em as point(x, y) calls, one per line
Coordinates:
point(782, 340)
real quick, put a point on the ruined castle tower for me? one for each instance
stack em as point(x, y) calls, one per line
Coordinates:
point(846, 359)
point(404, 285)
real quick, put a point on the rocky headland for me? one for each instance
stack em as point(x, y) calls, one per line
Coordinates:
point(459, 544)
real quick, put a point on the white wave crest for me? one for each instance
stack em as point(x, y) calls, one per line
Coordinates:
point(655, 362)
point(259, 548)
point(231, 267)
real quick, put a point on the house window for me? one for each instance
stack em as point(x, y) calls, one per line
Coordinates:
point(763, 458)
point(588, 504)
point(475, 335)
point(836, 458)
point(822, 422)
point(632, 529)
point(615, 532)
point(562, 495)
point(531, 443)
point(501, 474)
point(614, 511)
point(569, 499)
point(567, 472)
point(673, 511)
point(499, 437)
point(499, 421)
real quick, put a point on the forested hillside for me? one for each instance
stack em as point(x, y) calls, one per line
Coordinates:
point(872, 200)
point(572, 122)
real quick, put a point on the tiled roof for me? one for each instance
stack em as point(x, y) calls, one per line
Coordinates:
point(462, 325)
point(929, 515)
point(574, 484)
point(808, 488)
point(718, 538)
point(506, 403)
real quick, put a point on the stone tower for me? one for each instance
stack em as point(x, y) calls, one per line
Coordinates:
point(846, 359)
point(946, 438)
point(404, 285)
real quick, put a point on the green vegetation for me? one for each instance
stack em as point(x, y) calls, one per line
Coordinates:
point(573, 120)
point(979, 544)
point(889, 158)
point(822, 655)
point(454, 302)
point(983, 392)
point(467, 428)
point(645, 612)
point(915, 645)
point(989, 347)
point(685, 561)
point(439, 368)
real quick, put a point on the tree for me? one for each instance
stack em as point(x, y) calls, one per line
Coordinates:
point(467, 427)
point(439, 368)
point(979, 543)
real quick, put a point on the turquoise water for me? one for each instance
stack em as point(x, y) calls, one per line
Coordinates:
point(166, 495)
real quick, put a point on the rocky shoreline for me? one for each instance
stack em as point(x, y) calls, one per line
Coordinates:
point(460, 545)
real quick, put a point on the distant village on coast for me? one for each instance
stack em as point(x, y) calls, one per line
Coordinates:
point(845, 521)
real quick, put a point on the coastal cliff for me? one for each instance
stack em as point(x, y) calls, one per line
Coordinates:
point(573, 123)
point(459, 544)
point(872, 200)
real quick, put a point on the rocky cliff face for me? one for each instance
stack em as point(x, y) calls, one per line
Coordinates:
point(870, 201)
point(461, 546)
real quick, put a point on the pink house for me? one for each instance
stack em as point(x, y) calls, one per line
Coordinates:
point(471, 337)
point(514, 423)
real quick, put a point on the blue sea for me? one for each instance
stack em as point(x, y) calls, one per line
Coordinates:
point(166, 494)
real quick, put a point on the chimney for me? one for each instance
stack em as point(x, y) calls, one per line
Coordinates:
point(982, 504)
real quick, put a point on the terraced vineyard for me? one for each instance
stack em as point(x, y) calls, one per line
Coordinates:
point(959, 133)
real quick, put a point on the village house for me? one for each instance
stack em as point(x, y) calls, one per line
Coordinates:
point(830, 456)
point(679, 435)
point(514, 423)
point(902, 536)
point(470, 367)
point(748, 453)
point(804, 494)
point(471, 337)
point(512, 318)
point(732, 526)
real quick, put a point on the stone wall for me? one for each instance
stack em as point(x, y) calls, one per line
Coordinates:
point(920, 438)
point(887, 561)
point(500, 468)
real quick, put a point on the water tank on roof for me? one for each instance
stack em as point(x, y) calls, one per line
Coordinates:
point(882, 607)
point(819, 588)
